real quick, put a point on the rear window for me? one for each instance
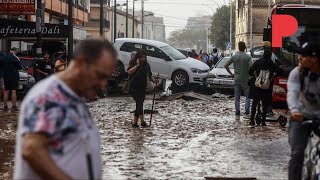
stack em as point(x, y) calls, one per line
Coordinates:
point(26, 63)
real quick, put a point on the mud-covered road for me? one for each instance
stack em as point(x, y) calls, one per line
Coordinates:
point(187, 140)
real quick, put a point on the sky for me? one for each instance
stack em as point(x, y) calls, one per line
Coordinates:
point(176, 12)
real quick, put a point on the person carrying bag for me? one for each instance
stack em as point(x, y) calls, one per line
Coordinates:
point(139, 72)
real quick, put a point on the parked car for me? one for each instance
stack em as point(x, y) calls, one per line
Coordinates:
point(219, 78)
point(163, 59)
point(26, 81)
point(27, 63)
point(184, 52)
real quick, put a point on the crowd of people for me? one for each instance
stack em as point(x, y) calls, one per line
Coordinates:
point(303, 97)
point(57, 138)
point(210, 59)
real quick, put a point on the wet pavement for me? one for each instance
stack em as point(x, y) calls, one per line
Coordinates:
point(187, 140)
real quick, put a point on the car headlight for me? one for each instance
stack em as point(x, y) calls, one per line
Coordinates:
point(211, 75)
point(278, 90)
point(31, 80)
point(198, 71)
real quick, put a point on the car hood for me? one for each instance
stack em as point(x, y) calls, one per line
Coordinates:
point(220, 72)
point(193, 63)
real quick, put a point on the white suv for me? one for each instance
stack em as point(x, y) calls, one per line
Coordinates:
point(163, 59)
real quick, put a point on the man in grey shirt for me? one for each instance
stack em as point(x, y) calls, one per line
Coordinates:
point(241, 62)
point(303, 100)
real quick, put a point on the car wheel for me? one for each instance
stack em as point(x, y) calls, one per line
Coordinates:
point(118, 71)
point(180, 79)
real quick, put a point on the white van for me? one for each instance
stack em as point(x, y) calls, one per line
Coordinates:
point(163, 59)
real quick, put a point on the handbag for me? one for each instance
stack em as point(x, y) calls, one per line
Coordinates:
point(126, 86)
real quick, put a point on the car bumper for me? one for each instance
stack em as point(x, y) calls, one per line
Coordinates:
point(23, 89)
point(199, 78)
point(218, 83)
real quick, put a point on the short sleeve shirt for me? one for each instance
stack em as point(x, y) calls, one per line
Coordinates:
point(53, 109)
point(241, 62)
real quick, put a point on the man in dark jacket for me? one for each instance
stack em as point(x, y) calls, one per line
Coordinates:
point(11, 67)
point(258, 94)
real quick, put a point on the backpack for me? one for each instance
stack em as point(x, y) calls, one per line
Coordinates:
point(263, 80)
point(215, 59)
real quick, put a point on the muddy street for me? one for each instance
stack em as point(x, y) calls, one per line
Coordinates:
point(187, 140)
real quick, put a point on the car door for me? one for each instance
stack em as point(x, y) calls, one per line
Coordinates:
point(159, 61)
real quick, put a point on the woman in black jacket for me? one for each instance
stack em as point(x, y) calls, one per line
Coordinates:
point(258, 94)
point(139, 70)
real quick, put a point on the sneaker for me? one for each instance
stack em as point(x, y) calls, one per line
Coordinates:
point(246, 116)
point(237, 117)
point(14, 109)
point(252, 123)
point(5, 108)
point(144, 124)
point(135, 125)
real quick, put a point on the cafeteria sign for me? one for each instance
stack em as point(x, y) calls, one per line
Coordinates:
point(17, 7)
point(15, 28)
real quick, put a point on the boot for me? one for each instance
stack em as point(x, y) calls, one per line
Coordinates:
point(143, 123)
point(135, 122)
point(252, 123)
point(263, 123)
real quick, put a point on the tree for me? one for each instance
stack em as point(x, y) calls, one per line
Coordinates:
point(188, 37)
point(220, 27)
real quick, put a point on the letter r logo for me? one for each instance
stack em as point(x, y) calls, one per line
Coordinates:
point(282, 26)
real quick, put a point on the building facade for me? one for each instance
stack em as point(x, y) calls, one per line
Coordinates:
point(260, 13)
point(93, 25)
point(55, 18)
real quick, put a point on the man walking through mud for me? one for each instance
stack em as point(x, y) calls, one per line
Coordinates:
point(57, 138)
point(241, 62)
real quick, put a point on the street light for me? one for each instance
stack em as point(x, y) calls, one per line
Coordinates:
point(206, 5)
point(216, 2)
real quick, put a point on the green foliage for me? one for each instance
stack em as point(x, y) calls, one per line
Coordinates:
point(187, 38)
point(220, 27)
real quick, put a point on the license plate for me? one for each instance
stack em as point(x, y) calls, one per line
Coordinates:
point(20, 87)
point(225, 82)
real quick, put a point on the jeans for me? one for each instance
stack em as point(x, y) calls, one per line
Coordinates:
point(237, 93)
point(139, 98)
point(298, 140)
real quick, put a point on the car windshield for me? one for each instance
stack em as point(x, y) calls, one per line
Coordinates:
point(222, 62)
point(172, 52)
point(26, 63)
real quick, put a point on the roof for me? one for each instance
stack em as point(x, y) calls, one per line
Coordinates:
point(144, 41)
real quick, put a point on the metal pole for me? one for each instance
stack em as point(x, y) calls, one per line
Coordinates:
point(127, 14)
point(38, 29)
point(115, 21)
point(133, 20)
point(142, 19)
point(70, 27)
point(251, 36)
point(230, 26)
point(101, 19)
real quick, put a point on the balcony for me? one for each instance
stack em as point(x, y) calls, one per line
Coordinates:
point(60, 7)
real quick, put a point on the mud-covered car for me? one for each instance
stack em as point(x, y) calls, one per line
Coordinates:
point(219, 78)
point(26, 81)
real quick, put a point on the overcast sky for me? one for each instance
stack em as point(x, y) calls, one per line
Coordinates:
point(176, 12)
